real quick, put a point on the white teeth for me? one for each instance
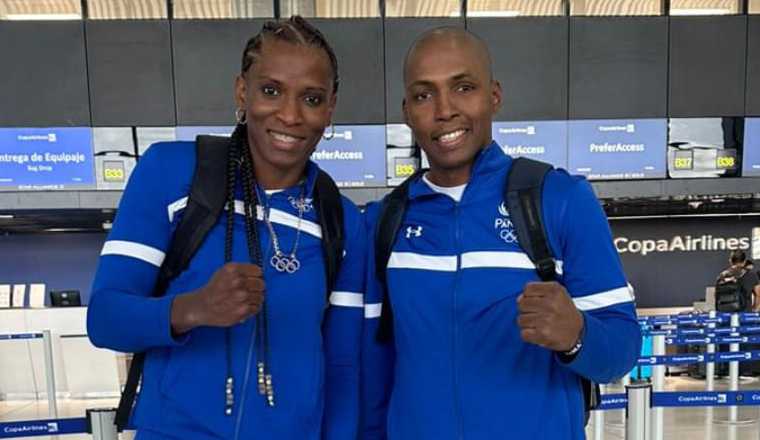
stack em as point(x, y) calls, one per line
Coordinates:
point(283, 137)
point(450, 137)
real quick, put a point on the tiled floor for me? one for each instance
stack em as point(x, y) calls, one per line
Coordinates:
point(680, 424)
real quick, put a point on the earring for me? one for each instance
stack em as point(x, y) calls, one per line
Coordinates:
point(240, 116)
point(332, 133)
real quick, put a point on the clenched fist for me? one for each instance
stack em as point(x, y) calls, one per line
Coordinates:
point(548, 317)
point(234, 293)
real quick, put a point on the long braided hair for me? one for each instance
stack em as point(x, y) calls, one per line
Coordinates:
point(295, 30)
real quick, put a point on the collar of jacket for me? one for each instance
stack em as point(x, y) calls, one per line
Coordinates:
point(310, 174)
point(311, 177)
point(491, 159)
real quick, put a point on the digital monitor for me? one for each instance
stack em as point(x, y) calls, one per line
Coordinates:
point(354, 155)
point(751, 156)
point(65, 298)
point(402, 157)
point(617, 149)
point(147, 136)
point(541, 140)
point(704, 147)
point(46, 158)
point(189, 133)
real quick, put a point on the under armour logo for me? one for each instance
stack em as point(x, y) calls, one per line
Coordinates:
point(416, 231)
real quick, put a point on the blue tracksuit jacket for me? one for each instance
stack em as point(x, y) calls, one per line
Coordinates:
point(314, 363)
point(457, 368)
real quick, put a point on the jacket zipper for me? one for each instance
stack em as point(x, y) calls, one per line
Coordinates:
point(455, 371)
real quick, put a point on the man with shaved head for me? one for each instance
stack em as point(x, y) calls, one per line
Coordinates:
point(480, 349)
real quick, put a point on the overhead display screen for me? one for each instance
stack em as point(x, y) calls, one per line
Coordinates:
point(46, 158)
point(541, 140)
point(704, 147)
point(751, 156)
point(354, 156)
point(189, 133)
point(617, 149)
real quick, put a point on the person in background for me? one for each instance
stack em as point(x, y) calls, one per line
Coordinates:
point(741, 269)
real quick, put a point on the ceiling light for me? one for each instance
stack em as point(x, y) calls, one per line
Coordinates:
point(698, 11)
point(22, 17)
point(489, 13)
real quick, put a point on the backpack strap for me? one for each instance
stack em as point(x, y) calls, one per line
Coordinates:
point(523, 194)
point(392, 210)
point(329, 207)
point(204, 205)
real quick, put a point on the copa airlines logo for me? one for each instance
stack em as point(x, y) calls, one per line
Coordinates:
point(628, 128)
point(31, 428)
point(530, 130)
point(681, 243)
point(504, 226)
point(50, 137)
point(413, 231)
point(347, 135)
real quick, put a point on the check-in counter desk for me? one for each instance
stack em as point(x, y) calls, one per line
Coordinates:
point(81, 369)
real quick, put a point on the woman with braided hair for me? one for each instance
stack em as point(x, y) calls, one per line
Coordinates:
point(245, 343)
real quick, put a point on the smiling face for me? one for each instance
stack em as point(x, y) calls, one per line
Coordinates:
point(450, 99)
point(288, 98)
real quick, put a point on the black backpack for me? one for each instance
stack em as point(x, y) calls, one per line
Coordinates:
point(522, 195)
point(730, 294)
point(204, 206)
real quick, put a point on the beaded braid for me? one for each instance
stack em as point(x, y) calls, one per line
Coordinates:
point(232, 161)
point(264, 375)
point(240, 158)
point(295, 30)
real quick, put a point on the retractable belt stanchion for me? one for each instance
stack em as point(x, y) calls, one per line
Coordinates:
point(658, 382)
point(710, 375)
point(710, 366)
point(47, 343)
point(625, 381)
point(733, 373)
point(101, 424)
point(639, 395)
point(598, 417)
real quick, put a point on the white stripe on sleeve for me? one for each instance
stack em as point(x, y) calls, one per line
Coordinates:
point(135, 250)
point(604, 299)
point(373, 310)
point(347, 299)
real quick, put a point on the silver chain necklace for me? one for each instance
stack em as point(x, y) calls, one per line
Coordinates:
point(280, 261)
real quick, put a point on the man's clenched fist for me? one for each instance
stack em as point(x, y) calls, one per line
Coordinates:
point(548, 317)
